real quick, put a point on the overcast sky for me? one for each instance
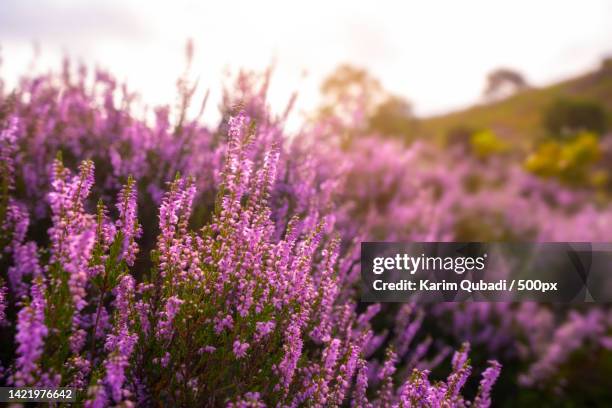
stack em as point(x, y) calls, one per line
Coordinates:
point(435, 53)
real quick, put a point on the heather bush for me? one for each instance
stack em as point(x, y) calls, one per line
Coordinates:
point(156, 260)
point(228, 314)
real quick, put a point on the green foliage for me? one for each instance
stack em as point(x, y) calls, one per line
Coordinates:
point(565, 117)
point(520, 116)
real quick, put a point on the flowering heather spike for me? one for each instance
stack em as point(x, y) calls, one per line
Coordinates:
point(127, 222)
point(461, 372)
point(330, 356)
point(25, 257)
point(25, 263)
point(238, 166)
point(166, 318)
point(460, 357)
point(115, 367)
point(249, 400)
point(120, 343)
point(407, 329)
point(263, 182)
point(568, 337)
point(73, 237)
point(416, 391)
point(360, 398)
point(292, 352)
point(174, 214)
point(8, 144)
point(124, 292)
point(98, 396)
point(236, 128)
point(30, 337)
point(328, 293)
point(82, 368)
point(240, 349)
point(17, 220)
point(385, 393)
point(489, 376)
point(263, 329)
point(3, 304)
point(371, 311)
point(346, 371)
point(70, 223)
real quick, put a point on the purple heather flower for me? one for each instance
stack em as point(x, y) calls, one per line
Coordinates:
point(30, 337)
point(489, 376)
point(174, 213)
point(461, 371)
point(385, 375)
point(240, 349)
point(25, 257)
point(166, 318)
point(73, 237)
point(127, 222)
point(222, 323)
point(568, 337)
point(117, 363)
point(292, 350)
point(263, 329)
point(330, 355)
point(17, 220)
point(8, 143)
point(248, 400)
point(82, 369)
point(165, 360)
point(3, 303)
point(460, 358)
point(209, 349)
point(120, 343)
point(360, 398)
point(98, 396)
point(25, 263)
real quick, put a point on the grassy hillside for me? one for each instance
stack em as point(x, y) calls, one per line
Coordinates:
point(519, 117)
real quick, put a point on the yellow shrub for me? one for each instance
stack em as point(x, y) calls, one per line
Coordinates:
point(486, 143)
point(571, 161)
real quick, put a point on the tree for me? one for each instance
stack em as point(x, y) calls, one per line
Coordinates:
point(359, 100)
point(351, 93)
point(393, 117)
point(504, 82)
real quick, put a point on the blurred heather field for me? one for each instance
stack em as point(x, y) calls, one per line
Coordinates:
point(175, 235)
